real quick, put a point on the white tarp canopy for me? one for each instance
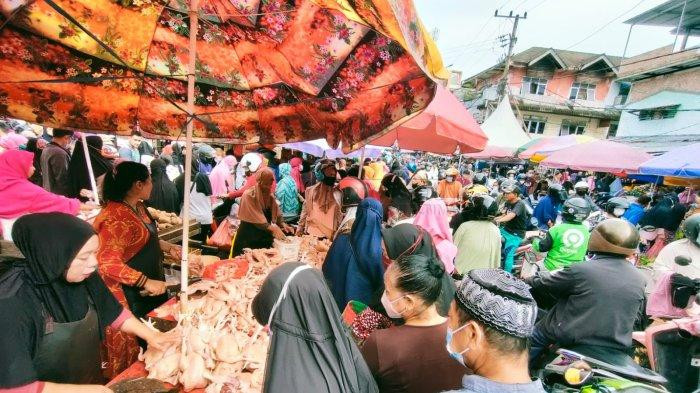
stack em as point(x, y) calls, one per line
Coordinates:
point(503, 128)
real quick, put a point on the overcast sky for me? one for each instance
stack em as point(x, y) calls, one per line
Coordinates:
point(468, 32)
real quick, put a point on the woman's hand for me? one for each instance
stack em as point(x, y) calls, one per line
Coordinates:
point(86, 207)
point(287, 229)
point(155, 287)
point(175, 252)
point(86, 193)
point(160, 341)
point(277, 232)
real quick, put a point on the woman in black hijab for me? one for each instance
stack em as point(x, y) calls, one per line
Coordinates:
point(55, 307)
point(78, 170)
point(408, 239)
point(34, 146)
point(396, 199)
point(310, 349)
point(164, 194)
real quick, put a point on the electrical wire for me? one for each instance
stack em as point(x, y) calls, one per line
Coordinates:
point(607, 24)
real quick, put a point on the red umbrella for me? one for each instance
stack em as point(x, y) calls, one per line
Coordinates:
point(598, 156)
point(441, 128)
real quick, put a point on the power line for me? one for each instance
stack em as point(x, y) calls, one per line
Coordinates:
point(607, 24)
point(482, 29)
point(537, 5)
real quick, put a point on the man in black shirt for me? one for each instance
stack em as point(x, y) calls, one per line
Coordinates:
point(514, 222)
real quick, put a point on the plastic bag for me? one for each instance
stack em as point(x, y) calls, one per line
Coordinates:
point(223, 235)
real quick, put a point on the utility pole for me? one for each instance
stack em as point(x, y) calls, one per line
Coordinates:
point(511, 44)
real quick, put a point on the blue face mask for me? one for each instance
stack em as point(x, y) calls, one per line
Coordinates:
point(455, 355)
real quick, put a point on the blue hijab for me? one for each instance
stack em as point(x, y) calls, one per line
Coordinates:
point(353, 266)
point(286, 192)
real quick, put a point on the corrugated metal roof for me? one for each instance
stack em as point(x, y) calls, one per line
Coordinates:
point(668, 14)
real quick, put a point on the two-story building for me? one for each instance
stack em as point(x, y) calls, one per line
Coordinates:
point(556, 92)
point(663, 107)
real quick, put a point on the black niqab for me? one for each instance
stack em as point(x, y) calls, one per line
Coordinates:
point(78, 170)
point(310, 348)
point(164, 194)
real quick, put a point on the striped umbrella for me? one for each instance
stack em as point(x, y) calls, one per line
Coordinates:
point(540, 152)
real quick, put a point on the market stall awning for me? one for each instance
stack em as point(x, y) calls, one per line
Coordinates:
point(598, 156)
point(442, 127)
point(680, 162)
point(320, 148)
point(532, 144)
point(539, 152)
point(504, 131)
point(266, 71)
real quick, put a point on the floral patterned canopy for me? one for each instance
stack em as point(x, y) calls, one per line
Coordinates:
point(267, 71)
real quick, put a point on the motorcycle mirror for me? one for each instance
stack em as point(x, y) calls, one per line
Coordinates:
point(682, 260)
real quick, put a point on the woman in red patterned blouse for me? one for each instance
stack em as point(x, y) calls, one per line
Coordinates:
point(130, 256)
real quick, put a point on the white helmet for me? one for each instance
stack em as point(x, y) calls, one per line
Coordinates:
point(581, 184)
point(251, 162)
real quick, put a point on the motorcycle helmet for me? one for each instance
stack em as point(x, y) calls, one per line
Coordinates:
point(251, 162)
point(479, 178)
point(484, 207)
point(691, 229)
point(205, 153)
point(576, 210)
point(557, 192)
point(581, 185)
point(353, 191)
point(617, 206)
point(320, 167)
point(614, 236)
point(508, 186)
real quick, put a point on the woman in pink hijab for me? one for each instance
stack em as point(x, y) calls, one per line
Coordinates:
point(296, 163)
point(433, 217)
point(221, 177)
point(19, 196)
point(12, 141)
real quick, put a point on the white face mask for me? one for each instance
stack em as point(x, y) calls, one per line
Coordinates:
point(389, 306)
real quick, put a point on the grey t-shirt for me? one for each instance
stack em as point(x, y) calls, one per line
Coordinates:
point(477, 384)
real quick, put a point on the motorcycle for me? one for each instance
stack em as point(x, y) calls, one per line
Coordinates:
point(673, 347)
point(527, 261)
point(598, 369)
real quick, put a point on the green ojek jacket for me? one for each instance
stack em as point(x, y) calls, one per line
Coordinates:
point(565, 244)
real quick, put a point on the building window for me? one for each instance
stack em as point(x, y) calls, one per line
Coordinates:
point(582, 91)
point(535, 126)
point(612, 130)
point(533, 86)
point(662, 112)
point(572, 128)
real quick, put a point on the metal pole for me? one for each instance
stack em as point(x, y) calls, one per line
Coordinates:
point(88, 162)
point(362, 163)
point(504, 82)
point(629, 34)
point(184, 267)
point(680, 23)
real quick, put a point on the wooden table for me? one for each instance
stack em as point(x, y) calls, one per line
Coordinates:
point(174, 233)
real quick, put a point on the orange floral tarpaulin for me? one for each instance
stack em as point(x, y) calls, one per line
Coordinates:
point(268, 71)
